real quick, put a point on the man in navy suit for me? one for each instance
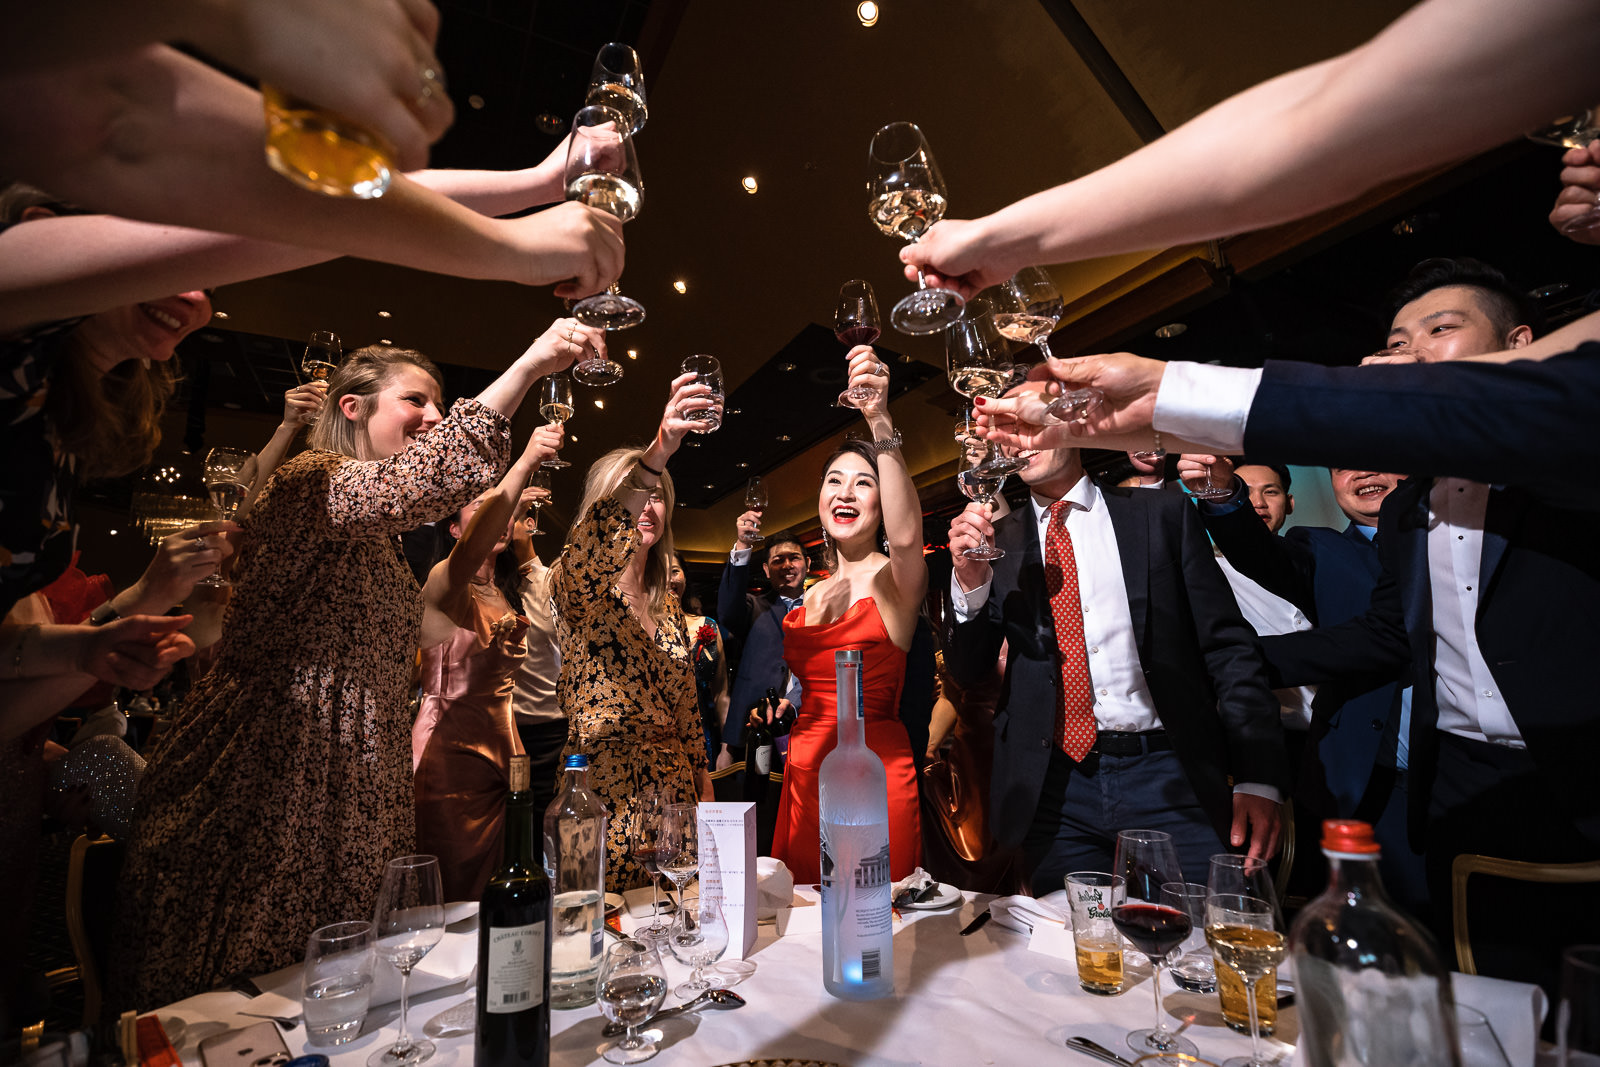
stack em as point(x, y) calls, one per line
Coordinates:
point(753, 622)
point(1133, 695)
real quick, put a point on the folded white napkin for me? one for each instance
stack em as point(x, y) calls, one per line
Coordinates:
point(774, 887)
point(1024, 913)
point(1516, 1010)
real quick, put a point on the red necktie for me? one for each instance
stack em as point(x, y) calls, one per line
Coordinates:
point(1076, 694)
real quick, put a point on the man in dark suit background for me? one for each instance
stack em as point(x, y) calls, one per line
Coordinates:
point(753, 622)
point(1133, 692)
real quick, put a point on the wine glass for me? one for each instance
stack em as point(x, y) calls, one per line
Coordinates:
point(325, 152)
point(701, 939)
point(678, 847)
point(408, 922)
point(539, 479)
point(603, 172)
point(644, 847)
point(1211, 489)
point(323, 353)
point(617, 82)
point(1027, 308)
point(1193, 968)
point(1578, 1007)
point(225, 485)
point(974, 356)
point(1147, 860)
point(856, 322)
point(1573, 131)
point(1245, 931)
point(965, 426)
point(631, 986)
point(555, 405)
point(906, 196)
point(755, 499)
point(707, 371)
point(982, 484)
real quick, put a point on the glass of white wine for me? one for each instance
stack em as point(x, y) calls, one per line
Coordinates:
point(539, 479)
point(555, 405)
point(978, 365)
point(755, 499)
point(603, 172)
point(1245, 931)
point(617, 82)
point(225, 485)
point(708, 372)
point(1579, 130)
point(323, 353)
point(982, 484)
point(906, 196)
point(1027, 308)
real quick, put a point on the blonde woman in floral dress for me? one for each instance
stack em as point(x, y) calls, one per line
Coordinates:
point(627, 686)
point(284, 785)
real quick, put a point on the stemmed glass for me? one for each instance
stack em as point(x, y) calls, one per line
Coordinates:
point(644, 845)
point(701, 939)
point(755, 499)
point(1193, 970)
point(1027, 308)
point(1245, 931)
point(678, 847)
point(906, 196)
point(982, 484)
point(975, 355)
point(707, 371)
point(631, 986)
point(539, 479)
point(603, 172)
point(1573, 131)
point(555, 405)
point(617, 82)
point(1147, 860)
point(323, 353)
point(408, 922)
point(855, 322)
point(225, 485)
point(1211, 489)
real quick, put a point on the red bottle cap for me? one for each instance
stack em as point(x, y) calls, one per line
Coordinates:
point(1348, 835)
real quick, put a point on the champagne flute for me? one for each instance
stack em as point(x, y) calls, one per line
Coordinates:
point(755, 499)
point(1573, 131)
point(1147, 860)
point(408, 922)
point(707, 371)
point(323, 353)
point(225, 485)
point(539, 479)
point(975, 356)
point(701, 939)
point(617, 82)
point(1028, 306)
point(855, 322)
point(982, 484)
point(678, 847)
point(644, 845)
point(907, 195)
point(1245, 931)
point(631, 986)
point(603, 172)
point(555, 405)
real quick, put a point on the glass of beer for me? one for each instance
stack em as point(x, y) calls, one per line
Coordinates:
point(1099, 946)
point(325, 152)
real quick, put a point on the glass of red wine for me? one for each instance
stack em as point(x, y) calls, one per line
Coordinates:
point(1146, 859)
point(855, 322)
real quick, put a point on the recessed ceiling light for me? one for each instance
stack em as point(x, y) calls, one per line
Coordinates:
point(1170, 330)
point(867, 12)
point(385, 341)
point(681, 285)
point(475, 102)
point(784, 437)
point(599, 403)
point(113, 533)
point(742, 465)
point(786, 366)
point(219, 314)
point(572, 437)
point(708, 485)
point(633, 353)
point(550, 123)
point(385, 315)
point(749, 183)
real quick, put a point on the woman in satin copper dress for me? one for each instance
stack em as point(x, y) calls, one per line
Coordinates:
point(472, 644)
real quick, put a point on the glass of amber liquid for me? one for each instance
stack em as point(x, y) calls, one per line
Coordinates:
point(1235, 1010)
point(324, 152)
point(1099, 946)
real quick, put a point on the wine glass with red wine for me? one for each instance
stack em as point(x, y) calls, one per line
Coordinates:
point(1146, 859)
point(855, 322)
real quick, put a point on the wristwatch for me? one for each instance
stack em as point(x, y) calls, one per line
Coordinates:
point(103, 614)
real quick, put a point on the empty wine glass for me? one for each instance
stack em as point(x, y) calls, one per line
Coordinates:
point(975, 356)
point(631, 986)
point(539, 479)
point(755, 499)
point(644, 845)
point(855, 322)
point(1027, 308)
point(555, 405)
point(1147, 860)
point(408, 922)
point(678, 847)
point(982, 484)
point(1193, 969)
point(1212, 488)
point(701, 939)
point(906, 196)
point(323, 353)
point(1573, 131)
point(1245, 931)
point(603, 172)
point(707, 371)
point(227, 488)
point(617, 82)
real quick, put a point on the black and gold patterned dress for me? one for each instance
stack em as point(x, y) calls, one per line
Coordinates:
point(284, 785)
point(629, 700)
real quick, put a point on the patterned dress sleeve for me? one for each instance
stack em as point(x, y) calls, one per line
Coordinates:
point(440, 472)
point(601, 545)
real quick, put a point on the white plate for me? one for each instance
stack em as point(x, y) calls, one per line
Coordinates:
point(947, 896)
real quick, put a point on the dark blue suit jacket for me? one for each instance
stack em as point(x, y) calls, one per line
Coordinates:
point(755, 624)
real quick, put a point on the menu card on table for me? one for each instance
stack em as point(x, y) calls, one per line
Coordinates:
point(733, 826)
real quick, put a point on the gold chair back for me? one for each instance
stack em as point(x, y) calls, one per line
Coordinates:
point(1469, 864)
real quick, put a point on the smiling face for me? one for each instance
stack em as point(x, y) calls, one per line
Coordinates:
point(677, 581)
point(406, 405)
point(848, 503)
point(1360, 493)
point(1451, 322)
point(786, 568)
point(150, 330)
point(1267, 495)
point(652, 520)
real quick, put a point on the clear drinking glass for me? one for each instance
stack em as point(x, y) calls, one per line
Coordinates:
point(1148, 860)
point(678, 848)
point(1578, 1009)
point(617, 82)
point(1194, 969)
point(323, 354)
point(1573, 131)
point(555, 405)
point(1027, 308)
point(906, 196)
point(982, 484)
point(631, 987)
point(539, 479)
point(1212, 488)
point(1245, 931)
point(408, 922)
point(707, 371)
point(336, 985)
point(755, 499)
point(644, 844)
point(1098, 947)
point(977, 363)
point(701, 939)
point(856, 322)
point(227, 488)
point(603, 172)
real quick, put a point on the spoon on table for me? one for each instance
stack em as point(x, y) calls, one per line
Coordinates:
point(722, 999)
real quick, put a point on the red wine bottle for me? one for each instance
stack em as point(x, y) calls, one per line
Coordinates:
point(514, 944)
point(758, 753)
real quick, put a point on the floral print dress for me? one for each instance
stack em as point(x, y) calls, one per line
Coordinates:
point(284, 785)
point(629, 699)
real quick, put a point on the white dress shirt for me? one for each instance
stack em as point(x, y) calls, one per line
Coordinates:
point(1268, 614)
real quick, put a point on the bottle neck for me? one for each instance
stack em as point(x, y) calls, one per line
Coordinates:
point(852, 730)
point(520, 845)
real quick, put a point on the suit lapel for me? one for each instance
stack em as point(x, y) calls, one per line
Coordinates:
point(1411, 553)
point(1503, 514)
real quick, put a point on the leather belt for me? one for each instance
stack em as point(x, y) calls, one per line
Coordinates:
point(1123, 743)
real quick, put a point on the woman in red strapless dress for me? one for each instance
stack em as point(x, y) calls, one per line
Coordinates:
point(869, 602)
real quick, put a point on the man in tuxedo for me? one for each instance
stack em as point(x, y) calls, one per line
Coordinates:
point(752, 623)
point(1132, 693)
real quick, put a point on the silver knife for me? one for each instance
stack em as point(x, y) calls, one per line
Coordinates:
point(1099, 1052)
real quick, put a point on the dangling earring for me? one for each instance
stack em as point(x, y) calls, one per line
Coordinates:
point(883, 541)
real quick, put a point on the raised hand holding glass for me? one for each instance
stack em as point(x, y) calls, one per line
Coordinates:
point(617, 82)
point(603, 172)
point(907, 195)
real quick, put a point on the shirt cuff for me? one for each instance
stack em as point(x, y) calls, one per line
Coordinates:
point(740, 557)
point(965, 604)
point(1256, 789)
point(1206, 405)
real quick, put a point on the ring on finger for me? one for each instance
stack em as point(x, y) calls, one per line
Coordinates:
point(432, 84)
